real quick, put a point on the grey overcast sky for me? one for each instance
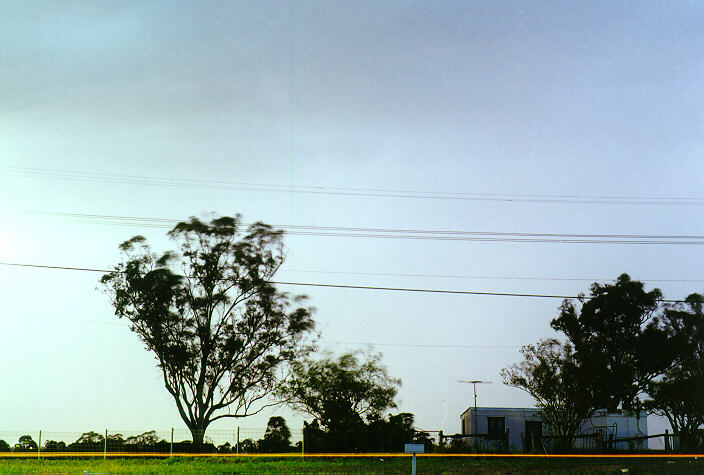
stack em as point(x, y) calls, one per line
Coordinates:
point(568, 117)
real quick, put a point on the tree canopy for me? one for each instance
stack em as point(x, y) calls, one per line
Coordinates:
point(277, 438)
point(341, 391)
point(679, 394)
point(616, 347)
point(552, 377)
point(220, 330)
point(25, 444)
point(618, 344)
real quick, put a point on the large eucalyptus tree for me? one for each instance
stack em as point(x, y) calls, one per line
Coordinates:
point(220, 330)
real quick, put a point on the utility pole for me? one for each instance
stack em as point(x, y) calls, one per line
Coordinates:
point(474, 383)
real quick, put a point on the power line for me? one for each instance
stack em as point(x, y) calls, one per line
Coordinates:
point(484, 277)
point(357, 287)
point(40, 266)
point(437, 291)
point(170, 222)
point(68, 175)
point(386, 274)
point(415, 234)
point(414, 345)
point(333, 342)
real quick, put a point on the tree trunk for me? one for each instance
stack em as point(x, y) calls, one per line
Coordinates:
point(198, 434)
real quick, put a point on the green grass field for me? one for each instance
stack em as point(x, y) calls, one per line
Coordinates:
point(352, 465)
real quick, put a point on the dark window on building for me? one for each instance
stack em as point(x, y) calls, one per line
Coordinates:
point(496, 428)
point(463, 426)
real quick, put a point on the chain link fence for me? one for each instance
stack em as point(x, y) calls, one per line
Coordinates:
point(248, 440)
point(597, 442)
point(238, 440)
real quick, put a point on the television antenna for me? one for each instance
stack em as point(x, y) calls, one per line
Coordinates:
point(474, 383)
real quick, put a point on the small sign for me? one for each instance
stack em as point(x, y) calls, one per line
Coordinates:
point(415, 448)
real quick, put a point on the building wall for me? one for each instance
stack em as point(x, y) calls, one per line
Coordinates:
point(514, 418)
point(618, 425)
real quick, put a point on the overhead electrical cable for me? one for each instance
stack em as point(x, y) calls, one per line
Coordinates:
point(416, 345)
point(69, 175)
point(414, 234)
point(363, 343)
point(357, 287)
point(484, 277)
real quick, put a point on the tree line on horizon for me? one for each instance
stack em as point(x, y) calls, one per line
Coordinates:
point(623, 349)
point(378, 435)
point(94, 442)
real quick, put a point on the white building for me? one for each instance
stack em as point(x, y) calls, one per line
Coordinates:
point(525, 424)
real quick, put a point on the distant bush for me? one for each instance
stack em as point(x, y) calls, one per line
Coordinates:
point(379, 435)
point(25, 444)
point(248, 446)
point(54, 446)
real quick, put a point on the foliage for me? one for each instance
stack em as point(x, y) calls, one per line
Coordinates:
point(343, 392)
point(423, 437)
point(88, 442)
point(225, 448)
point(618, 345)
point(379, 435)
point(549, 373)
point(4, 446)
point(621, 345)
point(679, 395)
point(248, 446)
point(25, 444)
point(54, 446)
point(277, 438)
point(144, 439)
point(390, 435)
point(218, 328)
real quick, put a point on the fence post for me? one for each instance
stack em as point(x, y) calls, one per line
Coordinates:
point(303, 440)
point(39, 446)
point(105, 446)
point(668, 448)
point(171, 447)
point(238, 440)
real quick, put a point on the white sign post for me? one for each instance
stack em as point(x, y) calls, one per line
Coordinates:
point(414, 449)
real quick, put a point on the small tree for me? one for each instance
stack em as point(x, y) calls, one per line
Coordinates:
point(225, 448)
point(88, 441)
point(277, 438)
point(142, 440)
point(550, 375)
point(248, 446)
point(341, 391)
point(389, 435)
point(25, 444)
point(220, 331)
point(54, 446)
point(343, 395)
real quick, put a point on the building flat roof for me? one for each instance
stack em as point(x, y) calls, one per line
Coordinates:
point(513, 410)
point(534, 410)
